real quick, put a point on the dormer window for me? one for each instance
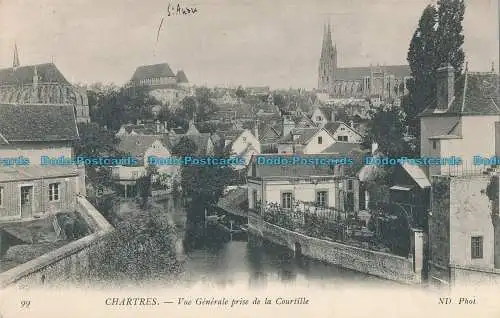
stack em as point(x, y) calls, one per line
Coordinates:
point(296, 137)
point(318, 118)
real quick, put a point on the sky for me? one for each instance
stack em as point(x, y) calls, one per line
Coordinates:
point(275, 43)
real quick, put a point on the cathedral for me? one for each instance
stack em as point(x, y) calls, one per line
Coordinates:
point(41, 84)
point(382, 82)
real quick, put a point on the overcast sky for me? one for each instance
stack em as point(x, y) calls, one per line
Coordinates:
point(249, 42)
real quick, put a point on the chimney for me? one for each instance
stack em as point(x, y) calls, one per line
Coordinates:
point(333, 116)
point(445, 79)
point(351, 123)
point(288, 125)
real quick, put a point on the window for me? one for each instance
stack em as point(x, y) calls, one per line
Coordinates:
point(1, 196)
point(286, 200)
point(320, 140)
point(349, 184)
point(255, 200)
point(342, 138)
point(318, 118)
point(53, 191)
point(476, 244)
point(321, 198)
point(244, 139)
point(434, 144)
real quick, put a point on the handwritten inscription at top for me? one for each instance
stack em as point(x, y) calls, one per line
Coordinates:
point(180, 10)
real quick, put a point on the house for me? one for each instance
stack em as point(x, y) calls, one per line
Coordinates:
point(462, 126)
point(204, 142)
point(322, 115)
point(341, 132)
point(141, 147)
point(29, 188)
point(305, 140)
point(142, 128)
point(241, 143)
point(464, 223)
point(322, 185)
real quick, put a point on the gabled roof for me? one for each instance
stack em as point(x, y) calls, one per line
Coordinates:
point(358, 73)
point(181, 77)
point(417, 174)
point(152, 71)
point(305, 134)
point(332, 127)
point(136, 145)
point(37, 123)
point(479, 97)
point(47, 73)
point(280, 170)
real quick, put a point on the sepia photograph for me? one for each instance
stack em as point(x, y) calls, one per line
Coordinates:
point(249, 157)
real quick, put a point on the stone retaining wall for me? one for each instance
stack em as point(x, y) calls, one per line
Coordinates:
point(379, 264)
point(62, 263)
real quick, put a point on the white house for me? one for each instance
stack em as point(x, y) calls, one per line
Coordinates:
point(462, 126)
point(322, 115)
point(321, 185)
point(305, 140)
point(141, 147)
point(241, 143)
point(342, 132)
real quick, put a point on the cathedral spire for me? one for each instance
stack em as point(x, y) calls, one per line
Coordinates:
point(15, 63)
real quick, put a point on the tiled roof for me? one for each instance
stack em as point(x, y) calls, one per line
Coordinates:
point(201, 141)
point(342, 148)
point(47, 73)
point(152, 71)
point(332, 127)
point(480, 97)
point(136, 145)
point(305, 134)
point(280, 170)
point(327, 111)
point(33, 172)
point(181, 77)
point(358, 73)
point(37, 123)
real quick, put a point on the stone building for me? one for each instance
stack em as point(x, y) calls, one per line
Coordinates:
point(41, 84)
point(161, 82)
point(382, 82)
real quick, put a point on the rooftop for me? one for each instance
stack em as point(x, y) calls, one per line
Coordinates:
point(37, 123)
point(152, 71)
point(33, 172)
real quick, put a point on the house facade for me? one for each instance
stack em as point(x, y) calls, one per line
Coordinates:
point(242, 143)
point(342, 132)
point(306, 141)
point(321, 185)
point(27, 188)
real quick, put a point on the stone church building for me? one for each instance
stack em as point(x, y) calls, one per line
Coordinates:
point(41, 84)
point(382, 81)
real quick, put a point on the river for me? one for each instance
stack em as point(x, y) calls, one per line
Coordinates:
point(214, 256)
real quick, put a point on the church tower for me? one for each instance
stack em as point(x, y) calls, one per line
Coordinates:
point(327, 62)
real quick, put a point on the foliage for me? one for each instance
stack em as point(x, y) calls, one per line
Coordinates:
point(95, 141)
point(357, 156)
point(112, 107)
point(437, 41)
point(387, 129)
point(492, 192)
point(240, 92)
point(184, 147)
point(146, 237)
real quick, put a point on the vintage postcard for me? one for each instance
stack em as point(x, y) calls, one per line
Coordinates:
point(226, 158)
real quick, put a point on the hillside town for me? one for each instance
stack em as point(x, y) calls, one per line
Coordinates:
point(116, 168)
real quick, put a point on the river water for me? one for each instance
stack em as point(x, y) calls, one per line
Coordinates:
point(213, 256)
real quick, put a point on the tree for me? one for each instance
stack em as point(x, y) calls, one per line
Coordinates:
point(437, 41)
point(185, 147)
point(240, 92)
point(94, 141)
point(387, 129)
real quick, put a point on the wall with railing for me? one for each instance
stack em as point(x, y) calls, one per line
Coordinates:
point(61, 264)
